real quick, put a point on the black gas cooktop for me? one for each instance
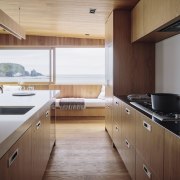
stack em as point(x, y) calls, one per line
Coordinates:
point(147, 107)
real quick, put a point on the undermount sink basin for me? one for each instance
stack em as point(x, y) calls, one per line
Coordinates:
point(14, 110)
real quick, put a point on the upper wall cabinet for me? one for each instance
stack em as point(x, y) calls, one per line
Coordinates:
point(149, 16)
point(137, 22)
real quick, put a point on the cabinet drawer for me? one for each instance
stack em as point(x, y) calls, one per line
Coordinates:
point(143, 171)
point(171, 156)
point(128, 123)
point(16, 163)
point(150, 143)
point(117, 136)
point(128, 155)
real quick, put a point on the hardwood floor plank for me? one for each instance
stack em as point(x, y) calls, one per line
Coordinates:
point(84, 151)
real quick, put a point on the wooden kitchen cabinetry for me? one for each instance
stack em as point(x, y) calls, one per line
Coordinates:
point(40, 144)
point(130, 68)
point(109, 75)
point(137, 21)
point(149, 148)
point(171, 156)
point(117, 130)
point(16, 163)
point(151, 15)
point(128, 138)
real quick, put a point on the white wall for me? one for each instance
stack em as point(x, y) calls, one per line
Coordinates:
point(168, 65)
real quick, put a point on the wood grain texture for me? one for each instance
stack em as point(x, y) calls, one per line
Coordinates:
point(49, 41)
point(128, 123)
point(78, 91)
point(20, 169)
point(154, 15)
point(140, 173)
point(137, 24)
point(150, 144)
point(65, 18)
point(171, 156)
point(117, 124)
point(85, 112)
point(84, 151)
point(133, 64)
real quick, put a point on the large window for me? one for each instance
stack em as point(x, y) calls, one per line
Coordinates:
point(70, 66)
point(80, 65)
point(25, 65)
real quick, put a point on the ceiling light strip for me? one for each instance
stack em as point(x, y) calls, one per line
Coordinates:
point(9, 25)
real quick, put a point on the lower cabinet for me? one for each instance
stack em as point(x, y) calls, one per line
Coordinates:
point(148, 150)
point(117, 131)
point(143, 171)
point(28, 157)
point(150, 144)
point(128, 156)
point(109, 117)
point(16, 163)
point(171, 156)
point(40, 144)
point(127, 151)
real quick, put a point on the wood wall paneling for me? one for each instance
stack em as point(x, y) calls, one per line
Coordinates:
point(134, 64)
point(65, 18)
point(7, 40)
point(77, 91)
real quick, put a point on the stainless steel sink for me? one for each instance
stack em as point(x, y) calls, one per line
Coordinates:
point(14, 110)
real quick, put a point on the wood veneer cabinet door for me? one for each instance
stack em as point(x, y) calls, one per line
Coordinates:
point(117, 123)
point(37, 149)
point(4, 170)
point(143, 171)
point(46, 136)
point(128, 138)
point(159, 12)
point(108, 118)
point(128, 156)
point(128, 123)
point(171, 157)
point(137, 26)
point(150, 143)
point(16, 163)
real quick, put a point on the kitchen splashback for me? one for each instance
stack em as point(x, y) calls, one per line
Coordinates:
point(168, 65)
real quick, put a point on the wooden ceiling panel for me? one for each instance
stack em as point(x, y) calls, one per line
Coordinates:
point(66, 18)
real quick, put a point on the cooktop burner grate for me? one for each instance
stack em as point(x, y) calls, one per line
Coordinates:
point(147, 107)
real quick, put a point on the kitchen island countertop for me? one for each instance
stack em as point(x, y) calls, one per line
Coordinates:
point(12, 127)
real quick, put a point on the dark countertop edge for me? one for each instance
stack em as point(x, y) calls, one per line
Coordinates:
point(167, 125)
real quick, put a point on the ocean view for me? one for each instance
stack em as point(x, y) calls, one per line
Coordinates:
point(60, 79)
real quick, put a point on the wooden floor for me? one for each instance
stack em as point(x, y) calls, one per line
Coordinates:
point(84, 151)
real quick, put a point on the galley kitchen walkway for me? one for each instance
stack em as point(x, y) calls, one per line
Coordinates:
point(84, 151)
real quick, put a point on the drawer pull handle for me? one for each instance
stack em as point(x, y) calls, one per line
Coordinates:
point(38, 125)
point(127, 111)
point(147, 172)
point(117, 103)
point(13, 157)
point(47, 114)
point(127, 143)
point(117, 129)
point(147, 126)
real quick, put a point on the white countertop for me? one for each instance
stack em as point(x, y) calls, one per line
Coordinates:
point(13, 126)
